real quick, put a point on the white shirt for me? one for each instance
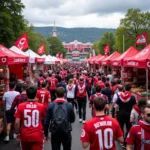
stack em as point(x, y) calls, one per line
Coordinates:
point(110, 77)
point(134, 115)
point(115, 97)
point(9, 97)
point(71, 93)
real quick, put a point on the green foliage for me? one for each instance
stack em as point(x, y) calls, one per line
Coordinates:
point(36, 39)
point(96, 47)
point(12, 23)
point(134, 23)
point(55, 46)
point(107, 37)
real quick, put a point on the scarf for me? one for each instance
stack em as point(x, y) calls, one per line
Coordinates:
point(125, 96)
point(70, 87)
point(137, 109)
point(81, 88)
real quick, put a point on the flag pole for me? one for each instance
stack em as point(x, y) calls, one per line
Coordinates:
point(123, 42)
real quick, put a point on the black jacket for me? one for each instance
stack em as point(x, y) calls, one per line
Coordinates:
point(50, 113)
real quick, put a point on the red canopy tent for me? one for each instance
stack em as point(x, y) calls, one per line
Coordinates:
point(107, 61)
point(119, 60)
point(9, 57)
point(91, 61)
point(88, 60)
point(140, 60)
point(98, 59)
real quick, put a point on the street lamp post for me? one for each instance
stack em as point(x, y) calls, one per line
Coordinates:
point(50, 49)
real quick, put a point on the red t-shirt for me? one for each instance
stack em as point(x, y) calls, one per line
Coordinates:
point(92, 101)
point(41, 80)
point(43, 95)
point(89, 82)
point(95, 79)
point(31, 114)
point(53, 83)
point(101, 133)
point(75, 81)
point(140, 136)
point(101, 84)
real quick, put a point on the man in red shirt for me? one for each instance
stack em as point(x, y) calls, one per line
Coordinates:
point(81, 93)
point(28, 117)
point(43, 96)
point(102, 131)
point(98, 93)
point(40, 81)
point(52, 86)
point(139, 135)
point(100, 83)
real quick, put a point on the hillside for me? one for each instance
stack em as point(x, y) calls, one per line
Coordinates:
point(71, 34)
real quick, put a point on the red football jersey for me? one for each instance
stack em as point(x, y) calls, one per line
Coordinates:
point(101, 133)
point(140, 136)
point(31, 114)
point(92, 101)
point(75, 81)
point(53, 83)
point(101, 84)
point(95, 79)
point(41, 80)
point(89, 82)
point(43, 95)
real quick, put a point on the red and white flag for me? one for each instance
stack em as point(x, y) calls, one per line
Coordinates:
point(106, 49)
point(61, 55)
point(58, 55)
point(22, 42)
point(41, 49)
point(142, 38)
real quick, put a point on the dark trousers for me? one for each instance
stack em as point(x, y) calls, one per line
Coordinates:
point(64, 139)
point(122, 119)
point(82, 107)
point(71, 100)
point(53, 96)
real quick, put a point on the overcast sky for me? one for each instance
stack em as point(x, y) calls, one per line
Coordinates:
point(80, 13)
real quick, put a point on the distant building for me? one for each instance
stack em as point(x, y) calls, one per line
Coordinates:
point(54, 31)
point(77, 51)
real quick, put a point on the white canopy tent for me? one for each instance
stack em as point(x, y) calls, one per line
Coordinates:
point(48, 60)
point(17, 50)
point(33, 57)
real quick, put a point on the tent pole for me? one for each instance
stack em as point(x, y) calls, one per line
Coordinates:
point(147, 83)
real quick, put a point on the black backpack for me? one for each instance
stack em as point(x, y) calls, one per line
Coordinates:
point(60, 122)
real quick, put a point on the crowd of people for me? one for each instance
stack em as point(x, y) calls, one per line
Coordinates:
point(51, 106)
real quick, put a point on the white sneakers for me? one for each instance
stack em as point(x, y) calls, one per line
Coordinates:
point(6, 139)
point(82, 121)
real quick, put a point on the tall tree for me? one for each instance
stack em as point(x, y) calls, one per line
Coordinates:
point(134, 23)
point(55, 46)
point(107, 37)
point(96, 47)
point(12, 23)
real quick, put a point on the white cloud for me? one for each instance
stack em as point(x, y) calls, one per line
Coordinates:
point(80, 13)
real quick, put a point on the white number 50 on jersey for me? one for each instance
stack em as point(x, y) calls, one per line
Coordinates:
point(31, 120)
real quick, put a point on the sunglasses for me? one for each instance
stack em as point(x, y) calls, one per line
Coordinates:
point(148, 115)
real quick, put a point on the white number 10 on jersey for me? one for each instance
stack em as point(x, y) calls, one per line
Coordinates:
point(105, 138)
